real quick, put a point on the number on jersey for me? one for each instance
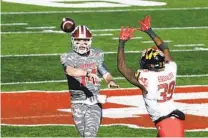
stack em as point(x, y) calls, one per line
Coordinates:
point(88, 79)
point(166, 91)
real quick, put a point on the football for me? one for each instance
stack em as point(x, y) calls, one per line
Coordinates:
point(67, 25)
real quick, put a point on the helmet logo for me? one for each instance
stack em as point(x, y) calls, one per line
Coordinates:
point(152, 59)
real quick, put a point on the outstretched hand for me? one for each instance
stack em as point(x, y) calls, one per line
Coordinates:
point(126, 33)
point(145, 24)
point(112, 84)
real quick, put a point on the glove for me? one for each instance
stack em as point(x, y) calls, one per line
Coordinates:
point(145, 24)
point(126, 33)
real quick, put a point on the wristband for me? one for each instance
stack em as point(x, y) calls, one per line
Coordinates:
point(163, 46)
point(151, 33)
point(121, 44)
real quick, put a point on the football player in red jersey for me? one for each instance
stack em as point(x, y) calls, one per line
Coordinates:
point(156, 78)
point(82, 66)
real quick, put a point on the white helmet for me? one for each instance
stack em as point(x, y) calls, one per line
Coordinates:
point(81, 39)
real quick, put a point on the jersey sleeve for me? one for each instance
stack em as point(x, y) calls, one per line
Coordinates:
point(102, 69)
point(142, 78)
point(171, 66)
point(66, 60)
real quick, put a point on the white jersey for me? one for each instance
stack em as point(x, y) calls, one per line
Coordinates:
point(160, 87)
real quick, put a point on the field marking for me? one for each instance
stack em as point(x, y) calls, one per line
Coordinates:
point(110, 52)
point(116, 38)
point(116, 78)
point(104, 30)
point(115, 10)
point(131, 126)
point(40, 27)
point(105, 89)
point(102, 34)
point(167, 41)
point(61, 32)
point(161, 28)
point(200, 48)
point(32, 117)
point(108, 110)
point(188, 45)
point(13, 24)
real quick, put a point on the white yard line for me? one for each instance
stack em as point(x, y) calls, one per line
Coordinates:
point(102, 34)
point(13, 24)
point(104, 30)
point(40, 27)
point(116, 78)
point(113, 10)
point(167, 41)
point(105, 89)
point(188, 45)
point(200, 48)
point(116, 38)
point(110, 52)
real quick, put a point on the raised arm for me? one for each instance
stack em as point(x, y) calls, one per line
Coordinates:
point(146, 27)
point(128, 73)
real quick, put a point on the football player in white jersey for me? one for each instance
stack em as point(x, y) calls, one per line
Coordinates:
point(156, 78)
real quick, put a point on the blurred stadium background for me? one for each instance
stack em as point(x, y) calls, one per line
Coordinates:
point(31, 43)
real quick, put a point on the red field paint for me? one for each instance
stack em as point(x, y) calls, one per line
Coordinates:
point(123, 107)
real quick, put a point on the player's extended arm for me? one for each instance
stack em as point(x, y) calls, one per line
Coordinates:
point(128, 73)
point(79, 72)
point(75, 72)
point(109, 80)
point(146, 27)
point(106, 75)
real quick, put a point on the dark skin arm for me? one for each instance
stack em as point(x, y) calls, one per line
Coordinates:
point(146, 27)
point(159, 42)
point(127, 72)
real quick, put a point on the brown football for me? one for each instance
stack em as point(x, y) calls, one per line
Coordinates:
point(67, 25)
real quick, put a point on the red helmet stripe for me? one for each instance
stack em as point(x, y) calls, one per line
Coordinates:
point(82, 32)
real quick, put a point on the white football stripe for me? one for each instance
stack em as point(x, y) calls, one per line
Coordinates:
point(167, 41)
point(41, 27)
point(139, 106)
point(109, 52)
point(116, 38)
point(188, 45)
point(115, 10)
point(116, 78)
point(13, 24)
point(105, 30)
point(192, 95)
point(193, 109)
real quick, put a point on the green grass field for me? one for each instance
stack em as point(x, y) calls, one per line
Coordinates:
point(23, 61)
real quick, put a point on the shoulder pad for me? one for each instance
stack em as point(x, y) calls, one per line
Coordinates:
point(97, 52)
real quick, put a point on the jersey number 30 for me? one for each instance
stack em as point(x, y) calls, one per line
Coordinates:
point(166, 91)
